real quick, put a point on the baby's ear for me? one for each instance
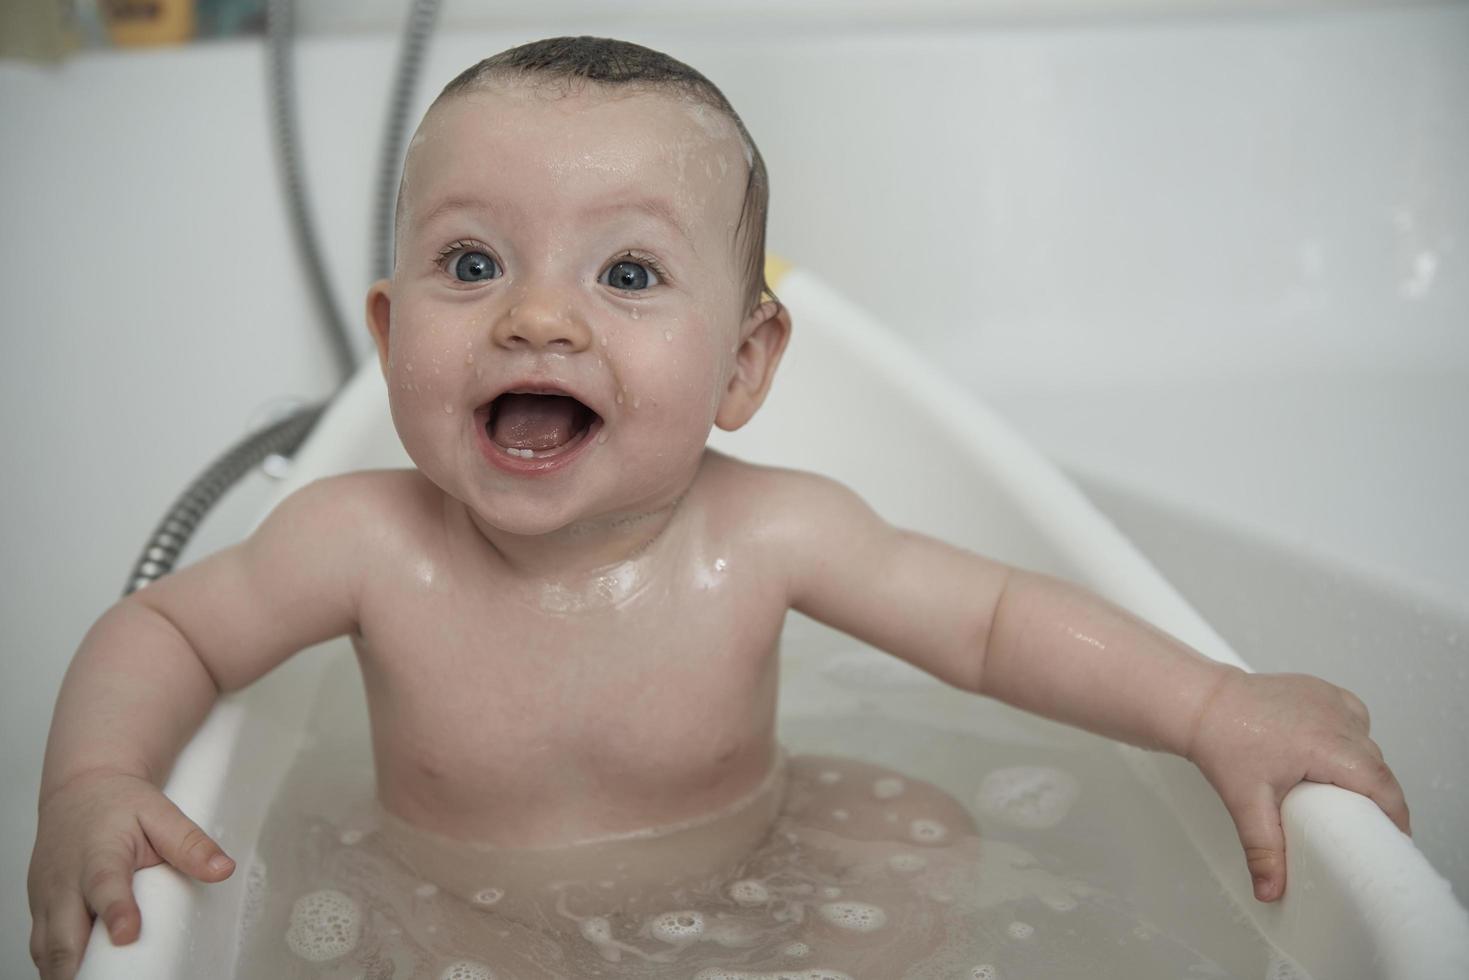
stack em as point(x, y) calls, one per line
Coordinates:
point(379, 306)
point(763, 338)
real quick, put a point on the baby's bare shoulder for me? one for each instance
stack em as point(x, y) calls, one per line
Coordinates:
point(778, 504)
point(381, 505)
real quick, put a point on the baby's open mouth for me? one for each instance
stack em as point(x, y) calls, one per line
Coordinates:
point(537, 426)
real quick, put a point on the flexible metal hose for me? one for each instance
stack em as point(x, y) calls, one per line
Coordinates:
point(416, 33)
point(182, 519)
point(284, 437)
point(280, 26)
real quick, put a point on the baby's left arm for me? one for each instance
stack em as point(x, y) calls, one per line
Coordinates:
point(1054, 649)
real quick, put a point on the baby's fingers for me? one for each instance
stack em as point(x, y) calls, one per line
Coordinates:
point(107, 886)
point(1257, 819)
point(58, 936)
point(1360, 769)
point(180, 842)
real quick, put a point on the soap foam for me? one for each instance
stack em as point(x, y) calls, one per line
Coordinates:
point(488, 896)
point(677, 928)
point(748, 891)
point(467, 970)
point(928, 832)
point(1030, 797)
point(854, 916)
point(324, 925)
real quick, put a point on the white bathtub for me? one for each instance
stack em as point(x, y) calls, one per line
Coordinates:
point(1362, 901)
point(1122, 231)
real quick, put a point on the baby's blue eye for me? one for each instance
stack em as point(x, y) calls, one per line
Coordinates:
point(629, 276)
point(475, 267)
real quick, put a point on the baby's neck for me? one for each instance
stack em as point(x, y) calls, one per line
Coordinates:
point(581, 547)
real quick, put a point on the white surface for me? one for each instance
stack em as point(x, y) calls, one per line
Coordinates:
point(1102, 207)
point(1363, 903)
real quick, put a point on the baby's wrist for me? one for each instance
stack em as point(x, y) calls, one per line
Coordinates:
point(1190, 738)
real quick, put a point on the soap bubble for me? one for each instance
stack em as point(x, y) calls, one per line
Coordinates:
point(1030, 797)
point(467, 970)
point(324, 925)
point(854, 916)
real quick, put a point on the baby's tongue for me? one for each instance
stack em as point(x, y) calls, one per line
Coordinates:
point(535, 421)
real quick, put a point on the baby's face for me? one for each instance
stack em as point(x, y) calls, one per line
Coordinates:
point(561, 325)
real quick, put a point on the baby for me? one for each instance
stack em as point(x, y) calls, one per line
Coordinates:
point(578, 297)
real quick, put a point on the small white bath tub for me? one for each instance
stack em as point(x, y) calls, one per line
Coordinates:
point(852, 402)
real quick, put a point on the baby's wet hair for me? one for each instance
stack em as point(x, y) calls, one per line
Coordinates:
point(613, 63)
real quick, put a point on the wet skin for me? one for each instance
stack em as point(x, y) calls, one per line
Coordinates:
point(582, 643)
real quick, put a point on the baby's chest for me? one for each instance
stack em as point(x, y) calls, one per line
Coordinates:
point(680, 682)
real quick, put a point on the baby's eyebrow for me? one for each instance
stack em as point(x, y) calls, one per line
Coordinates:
point(455, 204)
point(656, 207)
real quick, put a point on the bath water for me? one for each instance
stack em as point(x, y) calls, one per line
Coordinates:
point(923, 834)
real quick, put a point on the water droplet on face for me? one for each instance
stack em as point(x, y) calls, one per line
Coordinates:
point(668, 335)
point(619, 398)
point(601, 438)
point(604, 341)
point(637, 403)
point(448, 409)
point(634, 314)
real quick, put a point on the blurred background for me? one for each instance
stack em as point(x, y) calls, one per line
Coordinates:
point(1212, 257)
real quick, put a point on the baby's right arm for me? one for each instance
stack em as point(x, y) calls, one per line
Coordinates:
point(144, 678)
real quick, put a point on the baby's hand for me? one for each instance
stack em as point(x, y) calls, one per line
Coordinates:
point(1261, 734)
point(94, 832)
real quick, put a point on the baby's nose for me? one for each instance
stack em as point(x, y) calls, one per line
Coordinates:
point(541, 326)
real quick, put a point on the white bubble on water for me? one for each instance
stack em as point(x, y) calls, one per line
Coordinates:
point(488, 896)
point(985, 971)
point(467, 970)
point(1020, 930)
point(324, 925)
point(796, 950)
point(907, 863)
point(888, 787)
point(854, 916)
point(677, 928)
point(928, 831)
point(748, 891)
point(426, 890)
point(350, 837)
point(596, 930)
point(1030, 797)
point(1059, 903)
